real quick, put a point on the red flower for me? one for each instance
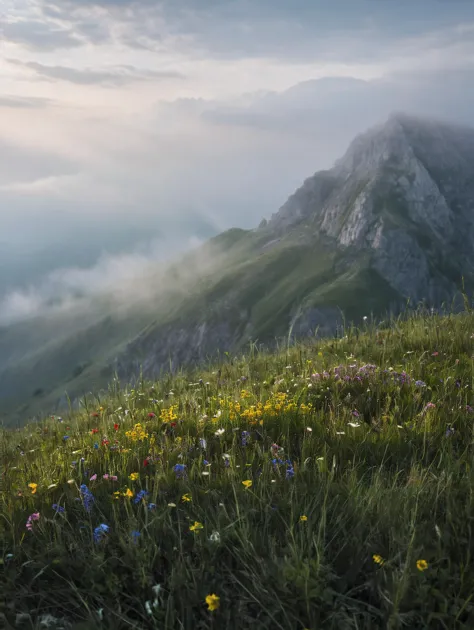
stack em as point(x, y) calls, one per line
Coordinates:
point(151, 415)
point(94, 431)
point(94, 414)
point(145, 462)
point(172, 424)
point(105, 441)
point(116, 426)
point(435, 354)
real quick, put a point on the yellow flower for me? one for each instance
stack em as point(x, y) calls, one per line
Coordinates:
point(247, 483)
point(378, 559)
point(133, 476)
point(213, 602)
point(33, 487)
point(303, 518)
point(116, 494)
point(421, 565)
point(196, 527)
point(128, 493)
point(186, 497)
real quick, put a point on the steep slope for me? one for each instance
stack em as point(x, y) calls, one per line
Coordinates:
point(392, 221)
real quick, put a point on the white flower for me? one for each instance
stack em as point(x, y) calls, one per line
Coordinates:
point(148, 608)
point(219, 432)
point(53, 485)
point(340, 433)
point(206, 473)
point(309, 429)
point(215, 537)
point(354, 424)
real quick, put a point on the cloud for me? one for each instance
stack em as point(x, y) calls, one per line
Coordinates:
point(115, 284)
point(25, 102)
point(113, 77)
point(297, 31)
point(39, 35)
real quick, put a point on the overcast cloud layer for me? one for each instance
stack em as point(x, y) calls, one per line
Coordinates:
point(123, 123)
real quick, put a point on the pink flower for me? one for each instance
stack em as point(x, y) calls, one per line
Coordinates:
point(113, 477)
point(106, 476)
point(93, 478)
point(32, 517)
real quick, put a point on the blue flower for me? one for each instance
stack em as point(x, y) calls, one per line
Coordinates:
point(140, 495)
point(202, 443)
point(96, 445)
point(180, 470)
point(135, 535)
point(87, 497)
point(57, 508)
point(66, 437)
point(420, 383)
point(151, 506)
point(205, 462)
point(100, 531)
point(290, 472)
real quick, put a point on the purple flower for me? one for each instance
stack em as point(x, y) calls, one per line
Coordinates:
point(290, 472)
point(135, 535)
point(420, 383)
point(449, 431)
point(245, 437)
point(57, 508)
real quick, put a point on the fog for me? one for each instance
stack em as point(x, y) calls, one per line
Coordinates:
point(130, 132)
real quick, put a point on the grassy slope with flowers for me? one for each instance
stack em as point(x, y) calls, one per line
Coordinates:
point(328, 485)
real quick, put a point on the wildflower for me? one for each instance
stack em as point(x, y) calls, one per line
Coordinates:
point(356, 413)
point(65, 437)
point(96, 445)
point(213, 602)
point(420, 383)
point(33, 487)
point(133, 476)
point(186, 498)
point(57, 508)
point(309, 429)
point(196, 526)
point(215, 537)
point(52, 485)
point(151, 415)
point(247, 484)
point(245, 437)
point(135, 536)
point(290, 472)
point(202, 443)
point(106, 476)
point(151, 506)
point(172, 505)
point(378, 559)
point(429, 405)
point(116, 427)
point(93, 478)
point(421, 565)
point(140, 495)
point(31, 518)
point(449, 432)
point(180, 470)
point(100, 531)
point(128, 493)
point(87, 497)
point(219, 432)
point(113, 477)
point(303, 518)
point(354, 424)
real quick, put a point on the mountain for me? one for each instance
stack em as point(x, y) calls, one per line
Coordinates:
point(392, 221)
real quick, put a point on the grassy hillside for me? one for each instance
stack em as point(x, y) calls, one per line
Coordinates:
point(326, 485)
point(240, 278)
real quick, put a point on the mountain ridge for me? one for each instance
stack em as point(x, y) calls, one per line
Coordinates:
point(392, 221)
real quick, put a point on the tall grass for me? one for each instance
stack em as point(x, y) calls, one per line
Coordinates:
point(359, 513)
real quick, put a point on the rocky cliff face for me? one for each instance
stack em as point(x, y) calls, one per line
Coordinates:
point(404, 193)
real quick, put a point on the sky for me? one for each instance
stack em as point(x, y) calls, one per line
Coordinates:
point(137, 129)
